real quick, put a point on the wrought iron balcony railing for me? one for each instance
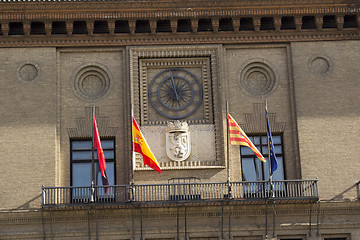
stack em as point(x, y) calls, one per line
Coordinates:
point(182, 192)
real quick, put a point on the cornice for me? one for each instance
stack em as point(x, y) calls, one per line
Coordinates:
point(168, 39)
point(67, 214)
point(110, 11)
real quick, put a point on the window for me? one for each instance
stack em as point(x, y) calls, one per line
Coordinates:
point(246, 24)
point(37, 28)
point(122, 26)
point(291, 239)
point(79, 27)
point(81, 158)
point(205, 25)
point(225, 24)
point(287, 23)
point(343, 236)
point(101, 27)
point(142, 26)
point(58, 27)
point(16, 28)
point(163, 26)
point(267, 23)
point(255, 170)
point(335, 238)
point(350, 21)
point(308, 22)
point(184, 25)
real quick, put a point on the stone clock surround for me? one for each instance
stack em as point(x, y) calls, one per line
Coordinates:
point(206, 120)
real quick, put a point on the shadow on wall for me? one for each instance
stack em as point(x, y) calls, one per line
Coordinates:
point(355, 187)
point(34, 203)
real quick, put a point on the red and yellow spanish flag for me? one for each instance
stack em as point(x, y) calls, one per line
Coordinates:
point(238, 137)
point(140, 145)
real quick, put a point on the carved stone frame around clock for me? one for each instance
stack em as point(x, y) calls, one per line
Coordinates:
point(199, 66)
point(205, 61)
point(205, 58)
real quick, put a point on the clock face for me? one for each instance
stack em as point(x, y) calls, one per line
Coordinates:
point(175, 93)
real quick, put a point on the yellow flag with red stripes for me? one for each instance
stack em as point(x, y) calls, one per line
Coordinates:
point(238, 137)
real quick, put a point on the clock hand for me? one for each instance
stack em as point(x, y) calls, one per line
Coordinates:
point(174, 87)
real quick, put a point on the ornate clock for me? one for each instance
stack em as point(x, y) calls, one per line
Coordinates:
point(175, 93)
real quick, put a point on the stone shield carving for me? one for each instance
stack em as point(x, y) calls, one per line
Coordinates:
point(178, 145)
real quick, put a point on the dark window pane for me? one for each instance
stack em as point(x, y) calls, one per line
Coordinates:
point(308, 22)
point(225, 24)
point(163, 26)
point(79, 27)
point(287, 23)
point(16, 28)
point(101, 27)
point(204, 25)
point(246, 24)
point(58, 27)
point(267, 23)
point(337, 238)
point(291, 239)
point(122, 26)
point(350, 21)
point(142, 26)
point(37, 28)
point(184, 25)
point(329, 21)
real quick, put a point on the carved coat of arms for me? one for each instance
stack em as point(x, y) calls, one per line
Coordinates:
point(178, 145)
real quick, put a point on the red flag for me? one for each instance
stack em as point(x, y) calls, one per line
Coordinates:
point(100, 153)
point(140, 145)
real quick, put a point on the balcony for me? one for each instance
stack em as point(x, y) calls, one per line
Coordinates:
point(175, 193)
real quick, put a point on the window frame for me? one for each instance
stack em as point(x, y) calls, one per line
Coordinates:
point(344, 236)
point(264, 175)
point(113, 160)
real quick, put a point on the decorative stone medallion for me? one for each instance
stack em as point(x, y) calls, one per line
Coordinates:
point(28, 71)
point(320, 64)
point(178, 145)
point(91, 81)
point(257, 77)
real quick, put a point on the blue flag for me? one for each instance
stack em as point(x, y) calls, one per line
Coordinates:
point(272, 157)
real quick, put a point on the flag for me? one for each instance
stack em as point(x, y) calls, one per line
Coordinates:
point(140, 145)
point(238, 137)
point(272, 157)
point(100, 153)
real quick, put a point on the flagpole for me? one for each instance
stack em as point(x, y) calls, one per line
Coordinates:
point(268, 143)
point(92, 156)
point(132, 155)
point(228, 149)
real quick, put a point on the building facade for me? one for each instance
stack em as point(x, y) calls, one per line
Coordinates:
point(179, 67)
